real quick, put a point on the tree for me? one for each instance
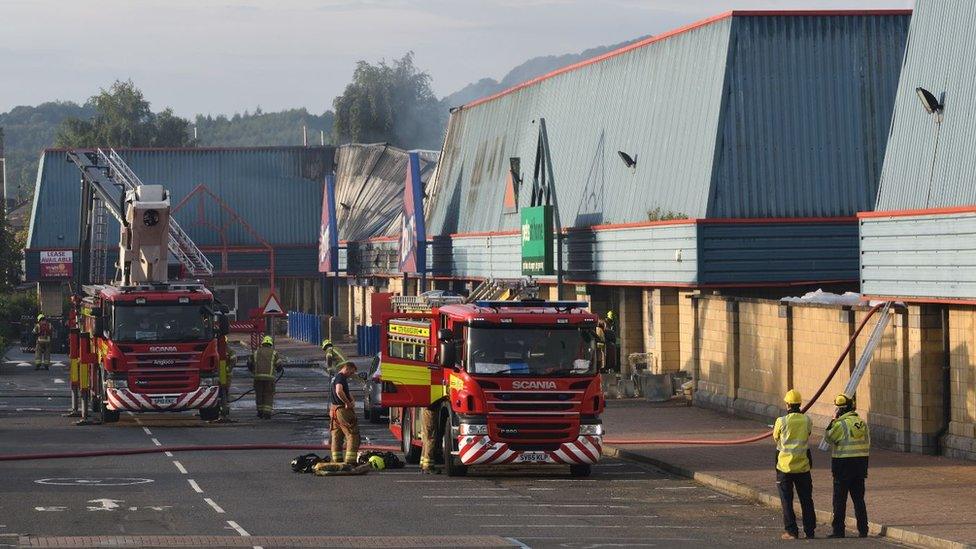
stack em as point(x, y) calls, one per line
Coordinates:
point(389, 103)
point(123, 118)
point(10, 256)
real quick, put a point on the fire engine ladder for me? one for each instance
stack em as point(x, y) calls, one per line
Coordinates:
point(106, 173)
point(504, 289)
point(99, 246)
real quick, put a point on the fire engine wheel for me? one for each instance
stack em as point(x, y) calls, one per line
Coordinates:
point(411, 454)
point(582, 470)
point(452, 465)
point(210, 414)
point(109, 416)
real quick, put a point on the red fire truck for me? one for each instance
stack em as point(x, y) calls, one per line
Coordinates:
point(512, 382)
point(144, 343)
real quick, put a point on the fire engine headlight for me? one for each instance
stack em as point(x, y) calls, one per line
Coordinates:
point(116, 384)
point(474, 429)
point(208, 381)
point(595, 429)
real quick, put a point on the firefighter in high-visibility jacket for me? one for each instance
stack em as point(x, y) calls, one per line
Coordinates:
point(851, 441)
point(265, 368)
point(42, 347)
point(792, 433)
point(333, 356)
point(226, 370)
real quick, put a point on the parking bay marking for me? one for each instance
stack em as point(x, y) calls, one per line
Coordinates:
point(211, 503)
point(237, 528)
point(179, 467)
point(194, 485)
point(82, 481)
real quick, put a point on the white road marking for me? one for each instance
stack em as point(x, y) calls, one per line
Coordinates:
point(476, 497)
point(237, 528)
point(169, 454)
point(55, 508)
point(211, 503)
point(156, 442)
point(106, 504)
point(518, 543)
point(179, 466)
point(542, 489)
point(194, 485)
point(58, 380)
point(148, 432)
point(675, 487)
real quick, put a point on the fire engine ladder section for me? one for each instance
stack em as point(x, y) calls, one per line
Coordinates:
point(504, 289)
point(422, 303)
point(109, 177)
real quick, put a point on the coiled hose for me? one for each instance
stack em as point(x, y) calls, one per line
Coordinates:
point(767, 434)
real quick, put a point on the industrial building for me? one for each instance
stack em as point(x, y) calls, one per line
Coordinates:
point(919, 245)
point(730, 155)
point(255, 212)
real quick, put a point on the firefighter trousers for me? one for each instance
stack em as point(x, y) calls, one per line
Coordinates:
point(42, 352)
point(264, 390)
point(428, 434)
point(343, 428)
point(802, 483)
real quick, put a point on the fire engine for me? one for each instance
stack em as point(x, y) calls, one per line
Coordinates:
point(511, 382)
point(144, 343)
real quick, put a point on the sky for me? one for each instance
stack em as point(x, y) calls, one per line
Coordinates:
point(227, 56)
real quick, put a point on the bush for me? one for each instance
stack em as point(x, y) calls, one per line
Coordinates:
point(12, 308)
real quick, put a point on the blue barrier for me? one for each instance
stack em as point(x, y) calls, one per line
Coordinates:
point(367, 340)
point(305, 327)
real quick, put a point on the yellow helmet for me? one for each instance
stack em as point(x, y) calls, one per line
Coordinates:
point(609, 315)
point(843, 400)
point(40, 317)
point(793, 397)
point(266, 340)
point(376, 462)
point(326, 343)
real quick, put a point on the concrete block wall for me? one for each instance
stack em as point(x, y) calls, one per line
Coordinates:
point(630, 324)
point(686, 330)
point(664, 304)
point(748, 352)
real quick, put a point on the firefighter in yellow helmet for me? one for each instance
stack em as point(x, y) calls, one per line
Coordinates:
point(792, 433)
point(42, 346)
point(266, 365)
point(851, 441)
point(333, 356)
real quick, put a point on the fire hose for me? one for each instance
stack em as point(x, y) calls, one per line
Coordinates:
point(767, 434)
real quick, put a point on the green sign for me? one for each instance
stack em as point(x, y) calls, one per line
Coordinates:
point(537, 240)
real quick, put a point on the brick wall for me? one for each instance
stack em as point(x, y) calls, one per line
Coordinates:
point(746, 353)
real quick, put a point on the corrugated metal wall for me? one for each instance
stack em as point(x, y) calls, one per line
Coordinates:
point(278, 191)
point(659, 102)
point(919, 256)
point(656, 254)
point(929, 165)
point(807, 114)
point(754, 253)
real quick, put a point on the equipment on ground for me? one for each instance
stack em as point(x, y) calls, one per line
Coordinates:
point(390, 460)
point(511, 382)
point(145, 343)
point(376, 462)
point(793, 397)
point(306, 462)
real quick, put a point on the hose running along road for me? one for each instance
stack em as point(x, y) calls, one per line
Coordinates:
point(767, 434)
point(195, 448)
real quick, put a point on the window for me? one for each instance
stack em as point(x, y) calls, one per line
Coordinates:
point(408, 349)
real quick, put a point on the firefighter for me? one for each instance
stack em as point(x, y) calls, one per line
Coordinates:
point(42, 347)
point(343, 425)
point(74, 363)
point(227, 361)
point(428, 434)
point(265, 367)
point(851, 441)
point(792, 433)
point(333, 356)
point(607, 333)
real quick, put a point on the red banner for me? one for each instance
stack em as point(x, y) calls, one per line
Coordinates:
point(57, 264)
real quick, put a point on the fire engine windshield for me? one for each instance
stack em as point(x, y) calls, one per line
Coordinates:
point(532, 351)
point(161, 323)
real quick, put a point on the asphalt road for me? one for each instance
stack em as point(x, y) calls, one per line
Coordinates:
point(253, 499)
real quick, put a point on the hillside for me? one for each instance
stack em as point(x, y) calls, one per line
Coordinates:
point(263, 129)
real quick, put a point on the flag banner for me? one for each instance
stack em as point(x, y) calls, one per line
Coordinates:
point(329, 232)
point(413, 236)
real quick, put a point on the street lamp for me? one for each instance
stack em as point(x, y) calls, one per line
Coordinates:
point(930, 103)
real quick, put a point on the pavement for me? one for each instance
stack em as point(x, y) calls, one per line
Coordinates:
point(252, 499)
point(915, 499)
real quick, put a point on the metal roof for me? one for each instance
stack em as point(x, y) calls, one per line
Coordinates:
point(747, 114)
point(931, 165)
point(369, 188)
point(277, 191)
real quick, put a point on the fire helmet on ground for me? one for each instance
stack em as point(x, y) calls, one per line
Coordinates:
point(793, 397)
point(376, 462)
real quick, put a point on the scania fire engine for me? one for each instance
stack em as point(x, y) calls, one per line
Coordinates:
point(512, 382)
point(144, 343)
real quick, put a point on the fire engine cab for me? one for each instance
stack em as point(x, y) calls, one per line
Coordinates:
point(511, 382)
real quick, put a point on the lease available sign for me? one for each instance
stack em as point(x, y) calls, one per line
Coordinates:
point(57, 264)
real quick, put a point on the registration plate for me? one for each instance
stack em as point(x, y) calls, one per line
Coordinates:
point(163, 401)
point(533, 457)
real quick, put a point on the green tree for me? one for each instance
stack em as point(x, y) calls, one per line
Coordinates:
point(390, 103)
point(10, 256)
point(123, 118)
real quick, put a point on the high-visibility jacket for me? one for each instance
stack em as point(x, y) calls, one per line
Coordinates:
point(791, 433)
point(334, 356)
point(849, 436)
point(265, 362)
